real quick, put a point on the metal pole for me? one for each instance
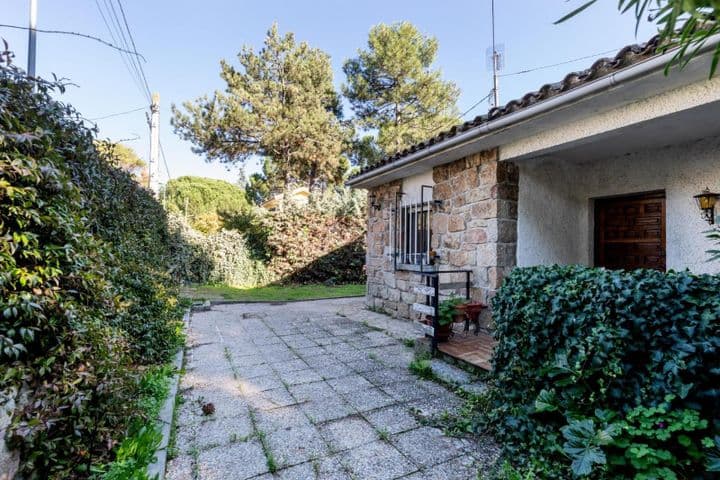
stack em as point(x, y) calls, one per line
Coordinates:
point(496, 93)
point(32, 39)
point(154, 164)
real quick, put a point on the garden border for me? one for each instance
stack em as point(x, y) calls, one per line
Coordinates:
point(157, 468)
point(278, 302)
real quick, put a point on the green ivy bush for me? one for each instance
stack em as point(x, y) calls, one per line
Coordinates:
point(322, 242)
point(221, 257)
point(85, 293)
point(608, 374)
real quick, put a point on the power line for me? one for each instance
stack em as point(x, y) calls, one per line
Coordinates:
point(162, 154)
point(76, 34)
point(594, 55)
point(118, 114)
point(132, 40)
point(476, 104)
point(114, 27)
point(124, 58)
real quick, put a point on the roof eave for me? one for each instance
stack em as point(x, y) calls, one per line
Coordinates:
point(448, 150)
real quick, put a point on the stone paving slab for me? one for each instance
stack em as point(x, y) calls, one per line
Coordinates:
point(316, 391)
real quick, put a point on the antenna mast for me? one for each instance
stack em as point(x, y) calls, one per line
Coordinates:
point(495, 60)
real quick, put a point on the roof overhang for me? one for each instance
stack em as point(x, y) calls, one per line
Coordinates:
point(637, 82)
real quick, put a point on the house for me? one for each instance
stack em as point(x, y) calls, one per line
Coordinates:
point(598, 169)
point(298, 196)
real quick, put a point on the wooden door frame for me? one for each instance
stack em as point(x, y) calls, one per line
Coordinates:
point(649, 195)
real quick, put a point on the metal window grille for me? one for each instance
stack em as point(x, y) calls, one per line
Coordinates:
point(411, 230)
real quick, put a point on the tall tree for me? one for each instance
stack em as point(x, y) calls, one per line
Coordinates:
point(686, 24)
point(205, 201)
point(126, 158)
point(394, 90)
point(280, 104)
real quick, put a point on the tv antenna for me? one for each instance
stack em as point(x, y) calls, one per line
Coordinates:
point(495, 59)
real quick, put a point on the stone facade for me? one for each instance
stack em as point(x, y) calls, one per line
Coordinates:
point(474, 228)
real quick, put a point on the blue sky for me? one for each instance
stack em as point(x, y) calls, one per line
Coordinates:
point(183, 42)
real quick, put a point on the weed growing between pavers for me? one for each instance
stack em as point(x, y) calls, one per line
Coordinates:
point(420, 366)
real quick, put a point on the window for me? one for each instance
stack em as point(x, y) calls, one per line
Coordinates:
point(412, 233)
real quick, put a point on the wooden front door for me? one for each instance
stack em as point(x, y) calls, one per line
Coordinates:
point(630, 232)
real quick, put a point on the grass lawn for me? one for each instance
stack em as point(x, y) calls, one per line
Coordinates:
point(273, 293)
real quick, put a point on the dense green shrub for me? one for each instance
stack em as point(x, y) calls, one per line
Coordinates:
point(608, 373)
point(204, 201)
point(220, 257)
point(321, 242)
point(85, 295)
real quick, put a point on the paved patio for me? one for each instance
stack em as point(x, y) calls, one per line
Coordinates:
point(312, 390)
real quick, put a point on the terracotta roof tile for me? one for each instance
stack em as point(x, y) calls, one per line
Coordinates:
point(626, 57)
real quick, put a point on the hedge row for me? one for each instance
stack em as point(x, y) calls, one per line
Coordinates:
point(608, 374)
point(85, 297)
point(322, 242)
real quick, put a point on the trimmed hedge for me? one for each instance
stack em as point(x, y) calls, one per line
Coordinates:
point(86, 300)
point(609, 374)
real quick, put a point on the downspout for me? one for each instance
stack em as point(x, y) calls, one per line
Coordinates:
point(647, 67)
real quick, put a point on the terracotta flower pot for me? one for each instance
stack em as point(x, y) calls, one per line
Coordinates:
point(443, 332)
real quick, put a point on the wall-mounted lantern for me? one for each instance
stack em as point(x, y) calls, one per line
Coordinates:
point(374, 204)
point(706, 201)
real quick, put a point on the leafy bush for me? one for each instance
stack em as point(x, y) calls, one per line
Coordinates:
point(608, 373)
point(204, 201)
point(84, 291)
point(321, 242)
point(221, 257)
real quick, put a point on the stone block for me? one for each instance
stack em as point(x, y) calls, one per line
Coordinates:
point(506, 254)
point(451, 241)
point(439, 223)
point(461, 258)
point(507, 209)
point(474, 235)
point(456, 223)
point(507, 231)
point(484, 209)
point(487, 255)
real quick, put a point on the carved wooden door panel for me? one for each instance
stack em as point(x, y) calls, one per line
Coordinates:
point(630, 232)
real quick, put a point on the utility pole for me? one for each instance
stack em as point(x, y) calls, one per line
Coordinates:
point(32, 38)
point(153, 166)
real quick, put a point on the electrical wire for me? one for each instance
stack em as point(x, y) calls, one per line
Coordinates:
point(76, 34)
point(542, 67)
point(162, 154)
point(124, 59)
point(476, 104)
point(117, 114)
point(132, 41)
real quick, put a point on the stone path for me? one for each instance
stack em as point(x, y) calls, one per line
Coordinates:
point(311, 390)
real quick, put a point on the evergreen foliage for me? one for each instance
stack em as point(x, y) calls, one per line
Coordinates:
point(393, 89)
point(204, 201)
point(280, 103)
point(85, 297)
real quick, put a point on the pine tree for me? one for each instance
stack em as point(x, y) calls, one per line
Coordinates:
point(279, 104)
point(394, 90)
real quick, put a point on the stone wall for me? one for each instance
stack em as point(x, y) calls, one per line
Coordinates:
point(474, 228)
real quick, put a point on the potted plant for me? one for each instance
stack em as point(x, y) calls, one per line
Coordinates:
point(448, 313)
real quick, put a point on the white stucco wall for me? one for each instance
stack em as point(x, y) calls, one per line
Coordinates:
point(555, 210)
point(634, 113)
point(411, 187)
